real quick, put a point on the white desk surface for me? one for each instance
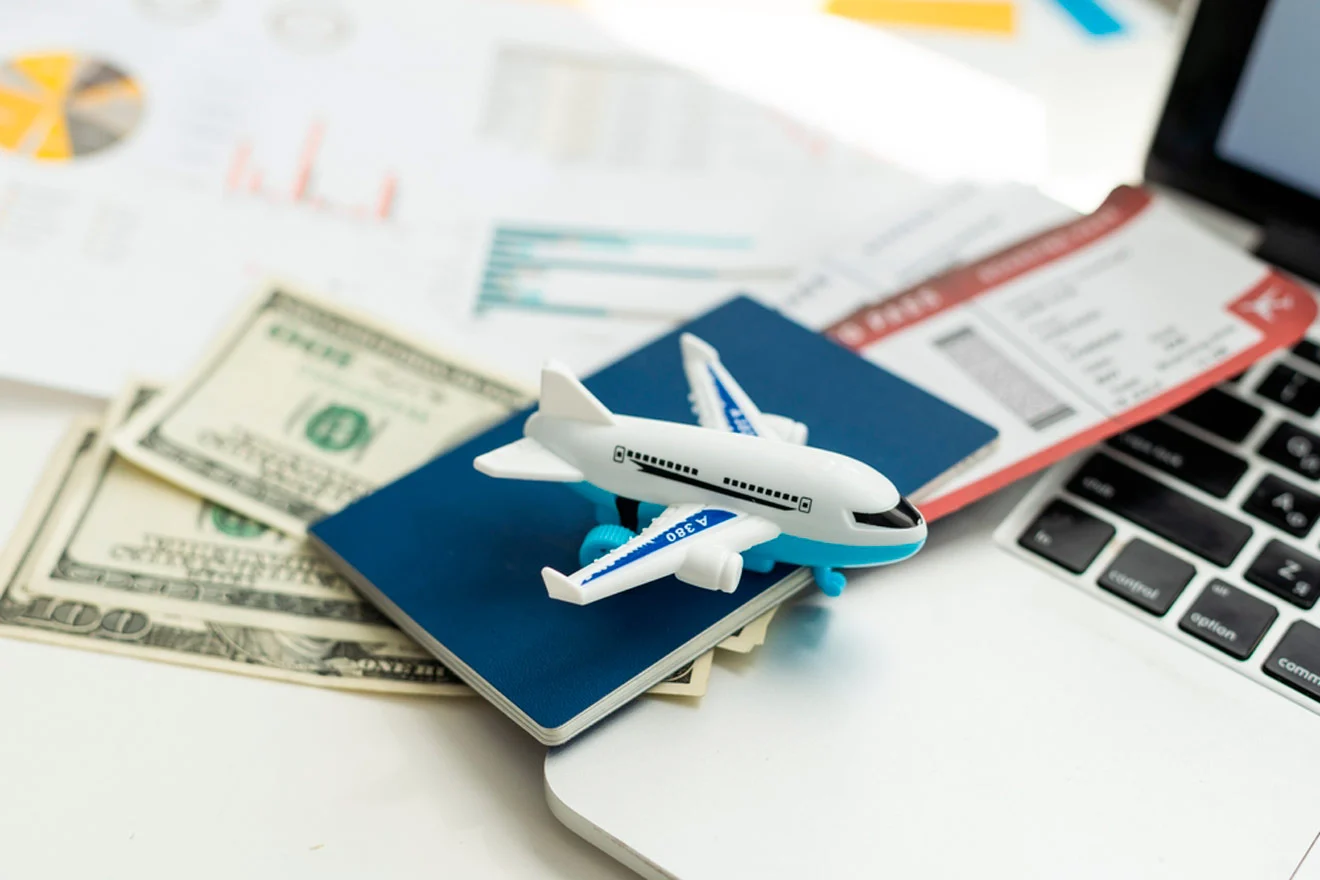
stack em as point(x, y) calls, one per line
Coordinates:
point(124, 768)
point(117, 767)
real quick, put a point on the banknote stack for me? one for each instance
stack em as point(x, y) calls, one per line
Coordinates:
point(174, 528)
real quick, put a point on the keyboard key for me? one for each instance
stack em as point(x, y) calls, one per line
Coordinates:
point(1067, 536)
point(1165, 448)
point(1282, 504)
point(1149, 503)
point(1296, 449)
point(1287, 573)
point(1295, 390)
point(1229, 619)
point(1221, 414)
point(1307, 351)
point(1295, 661)
point(1147, 577)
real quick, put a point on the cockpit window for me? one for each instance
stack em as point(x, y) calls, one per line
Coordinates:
point(902, 516)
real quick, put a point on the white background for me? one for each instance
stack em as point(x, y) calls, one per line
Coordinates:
point(123, 768)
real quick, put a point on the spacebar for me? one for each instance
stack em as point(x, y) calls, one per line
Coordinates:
point(1153, 505)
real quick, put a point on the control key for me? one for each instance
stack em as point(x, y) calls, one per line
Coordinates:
point(1147, 577)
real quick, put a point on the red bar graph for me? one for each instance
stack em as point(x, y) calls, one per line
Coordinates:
point(247, 178)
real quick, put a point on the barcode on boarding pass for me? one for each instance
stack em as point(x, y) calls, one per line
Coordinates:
point(1002, 379)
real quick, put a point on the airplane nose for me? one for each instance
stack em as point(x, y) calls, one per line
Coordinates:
point(908, 511)
point(902, 515)
point(918, 521)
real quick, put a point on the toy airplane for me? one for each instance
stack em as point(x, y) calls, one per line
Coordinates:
point(740, 490)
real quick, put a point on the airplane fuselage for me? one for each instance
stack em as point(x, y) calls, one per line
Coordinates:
point(831, 510)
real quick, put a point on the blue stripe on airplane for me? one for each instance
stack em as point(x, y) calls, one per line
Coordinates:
point(804, 551)
point(733, 413)
point(693, 525)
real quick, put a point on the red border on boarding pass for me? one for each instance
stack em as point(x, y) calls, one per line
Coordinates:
point(874, 322)
point(1280, 308)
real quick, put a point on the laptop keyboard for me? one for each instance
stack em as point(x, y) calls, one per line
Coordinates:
point(1202, 523)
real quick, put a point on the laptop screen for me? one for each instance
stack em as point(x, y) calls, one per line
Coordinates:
point(1240, 127)
point(1273, 124)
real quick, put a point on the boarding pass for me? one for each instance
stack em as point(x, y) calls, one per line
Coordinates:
point(1078, 332)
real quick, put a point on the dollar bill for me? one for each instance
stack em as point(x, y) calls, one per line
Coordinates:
point(751, 636)
point(690, 681)
point(113, 559)
point(123, 532)
point(118, 625)
point(300, 407)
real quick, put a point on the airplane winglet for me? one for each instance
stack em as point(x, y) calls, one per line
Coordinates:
point(561, 588)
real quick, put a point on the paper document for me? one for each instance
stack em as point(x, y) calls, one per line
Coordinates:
point(915, 240)
point(1079, 332)
point(459, 168)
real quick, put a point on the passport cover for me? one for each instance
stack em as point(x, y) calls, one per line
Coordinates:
point(454, 557)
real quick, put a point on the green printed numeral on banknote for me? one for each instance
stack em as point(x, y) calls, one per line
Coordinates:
point(125, 533)
point(301, 407)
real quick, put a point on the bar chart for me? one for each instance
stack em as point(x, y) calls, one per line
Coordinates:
point(612, 273)
point(246, 177)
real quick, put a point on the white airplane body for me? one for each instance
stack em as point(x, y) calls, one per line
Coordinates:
point(740, 488)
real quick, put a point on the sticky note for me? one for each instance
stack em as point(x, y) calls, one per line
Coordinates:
point(965, 15)
point(1094, 18)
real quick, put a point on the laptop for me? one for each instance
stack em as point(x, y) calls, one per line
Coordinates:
point(1133, 695)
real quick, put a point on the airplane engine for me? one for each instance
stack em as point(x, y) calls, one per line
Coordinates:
point(711, 568)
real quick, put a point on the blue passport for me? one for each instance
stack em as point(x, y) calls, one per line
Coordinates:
point(454, 557)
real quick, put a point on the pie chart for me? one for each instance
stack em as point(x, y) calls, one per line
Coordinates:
point(59, 106)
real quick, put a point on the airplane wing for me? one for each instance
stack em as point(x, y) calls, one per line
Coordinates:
point(700, 545)
point(720, 403)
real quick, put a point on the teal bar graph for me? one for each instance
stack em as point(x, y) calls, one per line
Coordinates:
point(604, 272)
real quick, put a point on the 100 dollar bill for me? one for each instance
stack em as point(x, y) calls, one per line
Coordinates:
point(112, 559)
point(117, 624)
point(128, 533)
point(301, 407)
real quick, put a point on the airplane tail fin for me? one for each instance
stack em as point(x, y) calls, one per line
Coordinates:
point(697, 350)
point(564, 397)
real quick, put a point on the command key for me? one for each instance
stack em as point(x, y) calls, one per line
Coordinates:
point(1296, 659)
